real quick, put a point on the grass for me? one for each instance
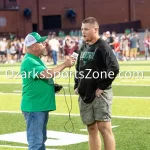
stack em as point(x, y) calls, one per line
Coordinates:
point(127, 134)
point(139, 107)
point(118, 90)
point(131, 99)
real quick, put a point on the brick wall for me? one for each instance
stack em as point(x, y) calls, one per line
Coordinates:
point(106, 12)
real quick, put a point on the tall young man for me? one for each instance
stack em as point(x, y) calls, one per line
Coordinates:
point(96, 69)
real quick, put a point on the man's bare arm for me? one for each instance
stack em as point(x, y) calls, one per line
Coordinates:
point(50, 73)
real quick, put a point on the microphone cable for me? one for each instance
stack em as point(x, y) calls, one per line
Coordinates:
point(69, 110)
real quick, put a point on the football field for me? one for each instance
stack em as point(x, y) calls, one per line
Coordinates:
point(130, 111)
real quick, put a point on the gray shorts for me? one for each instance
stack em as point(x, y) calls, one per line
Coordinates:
point(98, 110)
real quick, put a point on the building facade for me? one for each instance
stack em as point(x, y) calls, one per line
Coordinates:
point(23, 16)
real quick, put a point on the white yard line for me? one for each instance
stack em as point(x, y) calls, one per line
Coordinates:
point(1, 93)
point(16, 147)
point(17, 91)
point(129, 117)
point(132, 97)
point(67, 95)
point(11, 112)
point(61, 95)
point(10, 83)
point(118, 84)
point(76, 115)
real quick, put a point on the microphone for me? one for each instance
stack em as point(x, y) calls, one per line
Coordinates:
point(75, 55)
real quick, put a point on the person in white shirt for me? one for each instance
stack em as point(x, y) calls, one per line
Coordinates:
point(54, 46)
point(3, 48)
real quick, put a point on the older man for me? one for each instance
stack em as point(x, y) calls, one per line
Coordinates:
point(38, 95)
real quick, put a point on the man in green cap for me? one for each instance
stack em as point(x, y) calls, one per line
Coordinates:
point(38, 94)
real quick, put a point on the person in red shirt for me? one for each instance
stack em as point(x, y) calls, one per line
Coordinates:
point(116, 47)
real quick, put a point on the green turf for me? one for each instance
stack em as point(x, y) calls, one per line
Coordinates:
point(148, 64)
point(118, 90)
point(131, 134)
point(133, 100)
point(121, 106)
point(4, 148)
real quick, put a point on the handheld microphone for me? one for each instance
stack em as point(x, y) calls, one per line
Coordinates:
point(75, 55)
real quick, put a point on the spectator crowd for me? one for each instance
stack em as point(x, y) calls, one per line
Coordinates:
point(125, 47)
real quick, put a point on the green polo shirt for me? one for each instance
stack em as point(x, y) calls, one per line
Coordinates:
point(37, 94)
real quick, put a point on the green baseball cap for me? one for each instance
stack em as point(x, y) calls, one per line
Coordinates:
point(33, 38)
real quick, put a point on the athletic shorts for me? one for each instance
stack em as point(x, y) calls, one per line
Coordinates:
point(2, 53)
point(98, 110)
point(133, 50)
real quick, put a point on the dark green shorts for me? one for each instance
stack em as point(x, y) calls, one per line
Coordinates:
point(98, 110)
